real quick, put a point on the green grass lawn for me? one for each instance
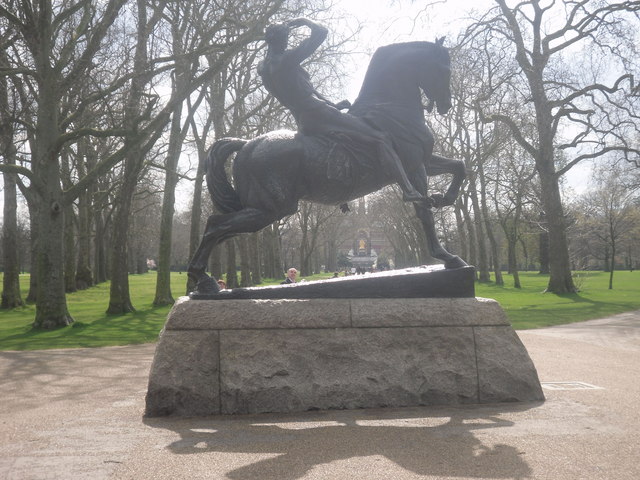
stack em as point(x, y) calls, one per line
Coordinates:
point(528, 307)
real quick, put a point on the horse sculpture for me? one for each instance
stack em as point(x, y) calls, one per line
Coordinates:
point(274, 171)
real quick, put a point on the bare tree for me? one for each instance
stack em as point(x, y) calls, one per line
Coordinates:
point(49, 57)
point(11, 297)
point(580, 107)
point(610, 211)
point(401, 227)
point(513, 181)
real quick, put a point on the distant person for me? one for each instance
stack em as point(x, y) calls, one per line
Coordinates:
point(222, 285)
point(292, 274)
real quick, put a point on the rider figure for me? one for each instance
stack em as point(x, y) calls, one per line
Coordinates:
point(284, 77)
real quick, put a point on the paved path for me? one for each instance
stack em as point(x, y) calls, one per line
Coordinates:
point(77, 414)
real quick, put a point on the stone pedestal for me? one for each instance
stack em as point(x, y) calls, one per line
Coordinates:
point(250, 356)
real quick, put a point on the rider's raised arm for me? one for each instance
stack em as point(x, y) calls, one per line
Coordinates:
point(309, 44)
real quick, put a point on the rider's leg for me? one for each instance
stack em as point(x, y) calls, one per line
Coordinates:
point(332, 120)
point(391, 159)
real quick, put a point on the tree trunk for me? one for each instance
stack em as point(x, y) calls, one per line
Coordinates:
point(163, 283)
point(495, 255)
point(176, 138)
point(69, 250)
point(332, 255)
point(277, 250)
point(483, 263)
point(613, 260)
point(196, 214)
point(303, 258)
point(268, 253)
point(543, 243)
point(513, 261)
point(245, 270)
point(560, 279)
point(119, 295)
point(51, 302)
point(272, 257)
point(232, 273)
point(462, 234)
point(100, 249)
point(471, 234)
point(493, 243)
point(35, 238)
point(525, 253)
point(255, 263)
point(84, 275)
point(11, 297)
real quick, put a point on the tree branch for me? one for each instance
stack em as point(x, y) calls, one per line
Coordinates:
point(599, 153)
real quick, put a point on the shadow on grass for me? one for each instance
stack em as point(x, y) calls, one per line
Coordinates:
point(569, 308)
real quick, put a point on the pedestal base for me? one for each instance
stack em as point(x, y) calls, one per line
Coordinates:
point(250, 356)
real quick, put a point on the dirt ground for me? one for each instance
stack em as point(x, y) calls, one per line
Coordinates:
point(78, 414)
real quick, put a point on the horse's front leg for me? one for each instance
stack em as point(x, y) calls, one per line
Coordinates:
point(442, 165)
point(425, 214)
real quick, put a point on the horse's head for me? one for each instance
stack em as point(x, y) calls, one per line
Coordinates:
point(435, 77)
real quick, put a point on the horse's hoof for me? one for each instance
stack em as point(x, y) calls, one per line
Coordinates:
point(455, 262)
point(206, 286)
point(440, 200)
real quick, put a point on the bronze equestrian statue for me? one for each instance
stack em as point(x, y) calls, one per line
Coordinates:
point(334, 157)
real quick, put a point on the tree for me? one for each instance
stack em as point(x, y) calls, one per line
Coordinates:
point(11, 297)
point(575, 111)
point(514, 179)
point(181, 17)
point(611, 212)
point(52, 54)
point(401, 227)
point(134, 158)
point(311, 219)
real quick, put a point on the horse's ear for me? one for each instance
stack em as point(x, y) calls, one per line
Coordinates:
point(440, 41)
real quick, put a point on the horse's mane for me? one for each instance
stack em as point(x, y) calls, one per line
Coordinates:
point(382, 53)
point(398, 53)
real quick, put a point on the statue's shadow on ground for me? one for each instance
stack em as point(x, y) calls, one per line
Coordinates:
point(427, 441)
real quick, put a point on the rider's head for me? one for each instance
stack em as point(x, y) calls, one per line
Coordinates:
point(277, 36)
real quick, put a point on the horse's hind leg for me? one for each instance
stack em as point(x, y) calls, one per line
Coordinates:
point(218, 229)
point(425, 214)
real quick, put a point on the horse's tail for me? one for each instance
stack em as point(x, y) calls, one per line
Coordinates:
point(222, 192)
